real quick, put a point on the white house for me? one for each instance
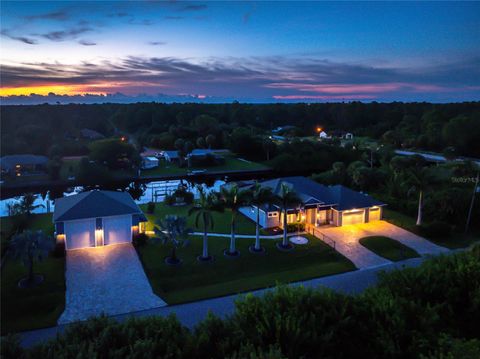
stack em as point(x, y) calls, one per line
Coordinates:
point(149, 162)
point(323, 134)
point(97, 218)
point(320, 205)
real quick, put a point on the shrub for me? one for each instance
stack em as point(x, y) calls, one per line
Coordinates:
point(169, 200)
point(436, 229)
point(151, 207)
point(140, 239)
point(295, 227)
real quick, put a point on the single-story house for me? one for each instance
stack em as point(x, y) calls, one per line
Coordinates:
point(323, 134)
point(203, 152)
point(149, 162)
point(21, 165)
point(97, 218)
point(171, 156)
point(320, 205)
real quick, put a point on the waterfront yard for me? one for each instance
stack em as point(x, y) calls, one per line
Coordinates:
point(231, 164)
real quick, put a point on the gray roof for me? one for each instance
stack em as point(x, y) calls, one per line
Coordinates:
point(311, 193)
point(9, 162)
point(206, 151)
point(95, 204)
point(171, 154)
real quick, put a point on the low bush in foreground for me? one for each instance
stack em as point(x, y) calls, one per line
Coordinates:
point(428, 312)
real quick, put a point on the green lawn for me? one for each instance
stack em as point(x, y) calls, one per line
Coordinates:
point(194, 281)
point(388, 248)
point(231, 164)
point(221, 220)
point(455, 240)
point(25, 309)
point(31, 308)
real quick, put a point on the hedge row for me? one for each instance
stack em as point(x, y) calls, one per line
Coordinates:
point(428, 312)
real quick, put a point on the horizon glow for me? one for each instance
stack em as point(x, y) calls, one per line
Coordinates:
point(251, 51)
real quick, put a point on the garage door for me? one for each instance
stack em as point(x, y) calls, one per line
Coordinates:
point(117, 229)
point(374, 214)
point(80, 234)
point(353, 217)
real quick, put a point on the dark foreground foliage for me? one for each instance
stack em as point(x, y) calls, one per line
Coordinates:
point(428, 312)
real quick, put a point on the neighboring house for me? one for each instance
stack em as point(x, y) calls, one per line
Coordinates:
point(91, 134)
point(203, 152)
point(320, 205)
point(342, 134)
point(283, 128)
point(171, 156)
point(22, 165)
point(278, 138)
point(323, 134)
point(149, 162)
point(97, 218)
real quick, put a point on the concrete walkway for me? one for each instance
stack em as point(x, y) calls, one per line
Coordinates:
point(347, 241)
point(190, 314)
point(106, 280)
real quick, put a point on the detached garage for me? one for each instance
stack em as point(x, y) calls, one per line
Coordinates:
point(96, 218)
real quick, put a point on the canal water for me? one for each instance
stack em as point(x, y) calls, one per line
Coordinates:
point(154, 191)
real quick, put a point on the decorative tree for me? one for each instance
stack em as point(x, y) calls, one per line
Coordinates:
point(288, 198)
point(259, 197)
point(30, 246)
point(202, 210)
point(173, 230)
point(233, 198)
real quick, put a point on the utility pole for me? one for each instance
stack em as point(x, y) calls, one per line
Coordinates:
point(471, 203)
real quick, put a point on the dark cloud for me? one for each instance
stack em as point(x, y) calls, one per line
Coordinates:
point(63, 35)
point(157, 43)
point(289, 79)
point(193, 7)
point(87, 43)
point(26, 40)
point(60, 15)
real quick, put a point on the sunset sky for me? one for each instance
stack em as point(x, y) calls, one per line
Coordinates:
point(250, 51)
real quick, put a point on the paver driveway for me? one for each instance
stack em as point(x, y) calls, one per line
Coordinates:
point(347, 241)
point(106, 280)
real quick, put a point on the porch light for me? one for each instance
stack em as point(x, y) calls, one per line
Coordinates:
point(60, 238)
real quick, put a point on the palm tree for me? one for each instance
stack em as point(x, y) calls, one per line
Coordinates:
point(206, 204)
point(30, 246)
point(420, 180)
point(26, 205)
point(259, 196)
point(234, 199)
point(173, 229)
point(287, 199)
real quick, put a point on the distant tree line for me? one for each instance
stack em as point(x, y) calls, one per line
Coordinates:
point(51, 129)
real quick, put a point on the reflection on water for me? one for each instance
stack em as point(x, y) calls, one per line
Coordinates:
point(140, 192)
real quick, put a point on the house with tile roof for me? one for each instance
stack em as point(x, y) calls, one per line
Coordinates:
point(320, 205)
point(97, 218)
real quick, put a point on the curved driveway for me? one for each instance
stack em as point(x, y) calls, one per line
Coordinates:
point(347, 242)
